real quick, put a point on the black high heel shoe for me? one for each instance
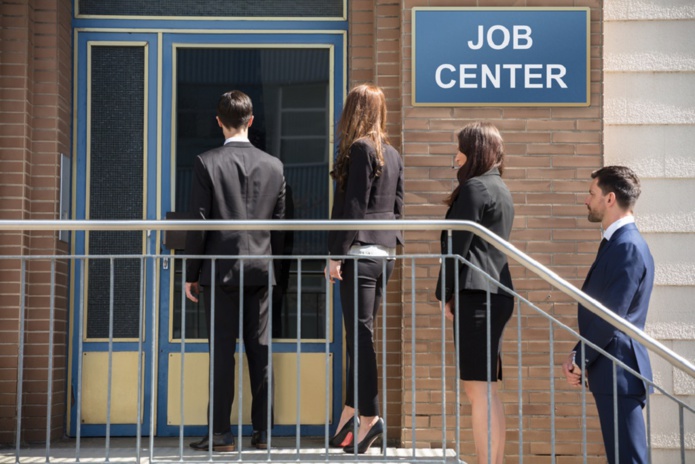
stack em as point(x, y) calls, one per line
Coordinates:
point(345, 436)
point(375, 432)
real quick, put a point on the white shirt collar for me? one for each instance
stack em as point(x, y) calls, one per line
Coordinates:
point(611, 229)
point(236, 138)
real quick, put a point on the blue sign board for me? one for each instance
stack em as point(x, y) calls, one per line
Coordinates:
point(501, 56)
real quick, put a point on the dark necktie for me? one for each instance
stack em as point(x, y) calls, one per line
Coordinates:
point(591, 269)
point(600, 247)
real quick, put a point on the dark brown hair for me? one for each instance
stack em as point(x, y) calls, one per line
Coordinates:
point(482, 144)
point(363, 117)
point(620, 180)
point(234, 109)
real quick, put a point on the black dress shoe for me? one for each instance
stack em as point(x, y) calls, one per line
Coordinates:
point(375, 432)
point(345, 435)
point(259, 439)
point(220, 442)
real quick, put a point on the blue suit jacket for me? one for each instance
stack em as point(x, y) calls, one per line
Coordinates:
point(621, 278)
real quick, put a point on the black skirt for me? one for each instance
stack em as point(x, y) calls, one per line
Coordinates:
point(472, 325)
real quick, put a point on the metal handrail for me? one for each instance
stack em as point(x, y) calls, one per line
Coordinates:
point(505, 247)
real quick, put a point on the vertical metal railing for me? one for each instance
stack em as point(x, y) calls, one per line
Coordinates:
point(240, 364)
point(413, 359)
point(152, 261)
point(140, 390)
point(51, 329)
point(520, 389)
point(298, 397)
point(20, 361)
point(80, 357)
point(182, 376)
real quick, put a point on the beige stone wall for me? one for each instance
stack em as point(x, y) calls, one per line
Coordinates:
point(650, 125)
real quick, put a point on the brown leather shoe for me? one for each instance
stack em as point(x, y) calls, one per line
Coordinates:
point(220, 442)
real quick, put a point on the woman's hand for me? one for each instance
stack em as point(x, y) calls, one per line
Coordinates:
point(333, 271)
point(449, 309)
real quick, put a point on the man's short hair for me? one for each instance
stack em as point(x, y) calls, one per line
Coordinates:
point(234, 109)
point(620, 180)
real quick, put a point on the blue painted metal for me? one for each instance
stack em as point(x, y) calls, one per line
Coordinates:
point(211, 37)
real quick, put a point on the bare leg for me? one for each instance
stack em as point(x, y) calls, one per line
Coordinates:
point(477, 394)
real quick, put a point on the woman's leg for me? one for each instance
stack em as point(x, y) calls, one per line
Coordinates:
point(369, 294)
point(478, 396)
point(473, 358)
point(348, 309)
point(378, 268)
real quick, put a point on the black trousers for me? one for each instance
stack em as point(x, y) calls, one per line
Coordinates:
point(256, 339)
point(371, 275)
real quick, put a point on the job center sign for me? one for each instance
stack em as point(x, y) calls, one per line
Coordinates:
point(501, 56)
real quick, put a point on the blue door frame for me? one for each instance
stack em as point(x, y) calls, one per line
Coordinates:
point(159, 176)
point(79, 343)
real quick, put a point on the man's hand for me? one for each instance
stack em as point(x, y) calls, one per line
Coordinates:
point(449, 309)
point(192, 291)
point(572, 372)
point(333, 271)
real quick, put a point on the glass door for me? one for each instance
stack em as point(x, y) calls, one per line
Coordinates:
point(296, 84)
point(112, 347)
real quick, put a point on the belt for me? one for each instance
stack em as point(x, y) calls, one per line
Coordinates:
point(372, 250)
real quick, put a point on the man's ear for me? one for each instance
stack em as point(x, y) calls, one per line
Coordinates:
point(610, 198)
point(219, 123)
point(250, 122)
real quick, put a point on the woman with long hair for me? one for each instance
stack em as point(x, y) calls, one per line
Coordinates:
point(482, 197)
point(368, 176)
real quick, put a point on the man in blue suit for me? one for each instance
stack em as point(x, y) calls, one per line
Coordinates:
point(621, 278)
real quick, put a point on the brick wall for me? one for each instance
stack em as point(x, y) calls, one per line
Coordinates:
point(550, 154)
point(35, 122)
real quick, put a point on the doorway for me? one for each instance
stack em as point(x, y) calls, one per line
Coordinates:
point(296, 82)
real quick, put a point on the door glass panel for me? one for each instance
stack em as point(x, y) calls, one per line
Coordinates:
point(116, 155)
point(289, 89)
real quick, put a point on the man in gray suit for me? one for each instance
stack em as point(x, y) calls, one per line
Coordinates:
point(236, 181)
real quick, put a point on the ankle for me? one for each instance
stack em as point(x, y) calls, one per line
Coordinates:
point(368, 421)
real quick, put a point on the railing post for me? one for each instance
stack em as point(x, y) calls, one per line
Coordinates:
point(298, 398)
point(51, 324)
point(20, 361)
point(110, 361)
point(182, 396)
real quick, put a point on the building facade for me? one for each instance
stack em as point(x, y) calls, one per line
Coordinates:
point(124, 92)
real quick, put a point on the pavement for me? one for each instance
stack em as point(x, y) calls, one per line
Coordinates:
point(172, 450)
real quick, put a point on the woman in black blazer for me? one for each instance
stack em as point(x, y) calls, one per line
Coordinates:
point(481, 197)
point(368, 174)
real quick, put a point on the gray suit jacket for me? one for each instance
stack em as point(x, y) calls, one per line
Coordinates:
point(236, 181)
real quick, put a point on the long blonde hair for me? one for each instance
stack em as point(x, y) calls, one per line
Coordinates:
point(363, 117)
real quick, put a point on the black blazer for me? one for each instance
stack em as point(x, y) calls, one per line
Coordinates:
point(236, 181)
point(368, 197)
point(486, 200)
